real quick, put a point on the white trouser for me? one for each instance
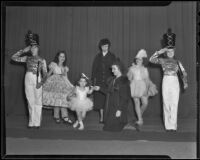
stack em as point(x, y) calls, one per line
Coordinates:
point(34, 98)
point(170, 93)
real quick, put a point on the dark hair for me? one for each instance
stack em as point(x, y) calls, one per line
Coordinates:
point(120, 65)
point(145, 61)
point(56, 60)
point(29, 53)
point(164, 55)
point(104, 42)
point(87, 81)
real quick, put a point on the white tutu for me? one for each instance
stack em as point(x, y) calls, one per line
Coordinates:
point(77, 104)
point(138, 88)
point(140, 83)
point(80, 102)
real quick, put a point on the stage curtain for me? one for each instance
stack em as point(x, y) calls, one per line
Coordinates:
point(78, 31)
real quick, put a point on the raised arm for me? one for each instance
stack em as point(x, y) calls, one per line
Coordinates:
point(90, 90)
point(154, 58)
point(16, 57)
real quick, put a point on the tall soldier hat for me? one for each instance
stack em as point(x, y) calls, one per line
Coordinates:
point(169, 39)
point(31, 38)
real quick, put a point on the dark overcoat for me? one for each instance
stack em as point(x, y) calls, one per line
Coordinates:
point(101, 71)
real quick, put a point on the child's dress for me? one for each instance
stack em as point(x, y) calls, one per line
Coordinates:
point(80, 102)
point(57, 87)
point(140, 83)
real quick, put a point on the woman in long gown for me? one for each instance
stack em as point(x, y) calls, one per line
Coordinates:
point(57, 87)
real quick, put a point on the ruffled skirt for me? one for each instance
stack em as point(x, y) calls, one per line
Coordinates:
point(152, 90)
point(56, 90)
point(82, 105)
point(140, 88)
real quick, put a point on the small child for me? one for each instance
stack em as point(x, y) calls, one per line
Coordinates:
point(80, 102)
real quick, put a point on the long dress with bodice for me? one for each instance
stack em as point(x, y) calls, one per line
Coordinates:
point(57, 87)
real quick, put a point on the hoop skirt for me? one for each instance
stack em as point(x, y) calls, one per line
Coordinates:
point(55, 90)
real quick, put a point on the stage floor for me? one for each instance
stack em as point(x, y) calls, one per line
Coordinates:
point(153, 129)
point(61, 139)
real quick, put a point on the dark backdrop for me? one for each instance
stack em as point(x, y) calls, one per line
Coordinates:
point(78, 31)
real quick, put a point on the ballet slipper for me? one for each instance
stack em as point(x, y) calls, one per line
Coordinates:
point(75, 124)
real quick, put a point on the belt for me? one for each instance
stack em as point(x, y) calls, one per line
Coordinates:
point(167, 74)
point(34, 72)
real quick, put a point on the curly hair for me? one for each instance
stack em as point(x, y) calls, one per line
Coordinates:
point(56, 60)
point(145, 62)
point(104, 42)
point(88, 83)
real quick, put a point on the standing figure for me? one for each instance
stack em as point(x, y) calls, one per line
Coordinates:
point(57, 87)
point(36, 67)
point(141, 85)
point(117, 98)
point(79, 101)
point(101, 70)
point(170, 85)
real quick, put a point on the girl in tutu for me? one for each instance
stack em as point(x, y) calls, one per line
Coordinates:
point(141, 85)
point(57, 87)
point(80, 102)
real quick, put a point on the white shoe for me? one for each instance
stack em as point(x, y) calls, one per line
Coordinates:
point(81, 126)
point(75, 124)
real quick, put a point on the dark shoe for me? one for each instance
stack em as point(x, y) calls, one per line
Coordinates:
point(57, 120)
point(173, 130)
point(37, 127)
point(170, 130)
point(29, 127)
point(101, 122)
point(67, 120)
